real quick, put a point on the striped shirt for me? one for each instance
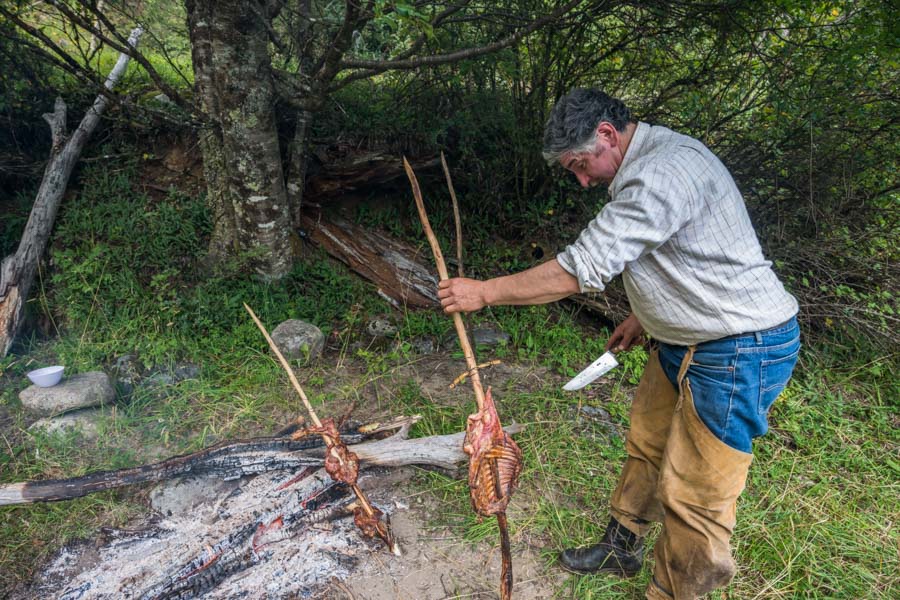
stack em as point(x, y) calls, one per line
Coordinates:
point(677, 230)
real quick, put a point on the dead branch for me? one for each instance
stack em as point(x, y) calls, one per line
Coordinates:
point(18, 270)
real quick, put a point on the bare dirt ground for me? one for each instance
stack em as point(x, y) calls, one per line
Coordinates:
point(437, 564)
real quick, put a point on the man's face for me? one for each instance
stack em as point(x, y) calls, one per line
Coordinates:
point(590, 168)
point(600, 164)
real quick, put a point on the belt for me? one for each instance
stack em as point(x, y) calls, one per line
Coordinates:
point(756, 333)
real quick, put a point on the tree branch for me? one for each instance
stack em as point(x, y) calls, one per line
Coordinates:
point(120, 44)
point(330, 63)
point(440, 59)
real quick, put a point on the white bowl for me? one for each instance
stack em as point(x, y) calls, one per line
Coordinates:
point(46, 377)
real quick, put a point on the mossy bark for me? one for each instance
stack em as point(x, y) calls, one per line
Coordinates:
point(241, 153)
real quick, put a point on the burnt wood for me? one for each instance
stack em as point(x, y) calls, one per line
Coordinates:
point(234, 459)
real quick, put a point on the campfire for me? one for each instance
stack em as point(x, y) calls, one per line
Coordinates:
point(279, 533)
point(295, 536)
point(257, 518)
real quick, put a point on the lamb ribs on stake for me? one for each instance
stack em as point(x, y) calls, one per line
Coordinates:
point(343, 466)
point(340, 463)
point(495, 460)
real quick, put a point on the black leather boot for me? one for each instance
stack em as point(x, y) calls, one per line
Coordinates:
point(619, 552)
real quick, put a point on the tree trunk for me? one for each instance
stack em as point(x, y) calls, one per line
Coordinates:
point(299, 154)
point(223, 240)
point(241, 153)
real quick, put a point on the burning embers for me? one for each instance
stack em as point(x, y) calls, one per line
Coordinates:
point(257, 537)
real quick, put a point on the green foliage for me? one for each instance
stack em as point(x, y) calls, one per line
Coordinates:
point(798, 100)
point(127, 278)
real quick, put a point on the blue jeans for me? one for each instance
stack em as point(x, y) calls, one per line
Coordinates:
point(735, 380)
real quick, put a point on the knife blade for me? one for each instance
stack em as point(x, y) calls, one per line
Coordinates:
point(606, 363)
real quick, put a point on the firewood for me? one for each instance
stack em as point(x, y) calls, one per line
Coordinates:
point(234, 459)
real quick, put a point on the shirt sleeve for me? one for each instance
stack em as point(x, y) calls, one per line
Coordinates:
point(649, 205)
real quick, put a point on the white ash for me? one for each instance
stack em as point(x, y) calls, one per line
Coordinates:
point(293, 562)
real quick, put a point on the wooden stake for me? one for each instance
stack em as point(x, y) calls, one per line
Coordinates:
point(471, 363)
point(456, 219)
point(286, 365)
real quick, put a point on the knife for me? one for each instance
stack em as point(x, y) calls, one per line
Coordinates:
point(603, 365)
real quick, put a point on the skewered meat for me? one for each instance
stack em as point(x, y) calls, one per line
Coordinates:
point(343, 466)
point(495, 460)
point(370, 525)
point(340, 462)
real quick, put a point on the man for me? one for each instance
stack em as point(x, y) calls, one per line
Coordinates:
point(677, 230)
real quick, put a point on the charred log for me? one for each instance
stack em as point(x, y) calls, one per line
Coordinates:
point(231, 460)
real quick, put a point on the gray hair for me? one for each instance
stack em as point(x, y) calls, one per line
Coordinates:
point(572, 126)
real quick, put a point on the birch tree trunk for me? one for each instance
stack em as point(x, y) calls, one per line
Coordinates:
point(241, 152)
point(17, 271)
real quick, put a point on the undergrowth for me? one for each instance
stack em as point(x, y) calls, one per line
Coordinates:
point(817, 520)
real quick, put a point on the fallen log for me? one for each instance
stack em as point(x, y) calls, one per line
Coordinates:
point(231, 460)
point(341, 170)
point(17, 271)
point(396, 268)
point(388, 263)
point(610, 307)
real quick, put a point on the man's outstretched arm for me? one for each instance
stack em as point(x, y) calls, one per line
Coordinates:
point(544, 283)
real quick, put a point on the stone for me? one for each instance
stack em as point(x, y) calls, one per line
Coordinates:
point(78, 391)
point(157, 380)
point(299, 339)
point(161, 378)
point(423, 345)
point(127, 373)
point(489, 336)
point(84, 421)
point(164, 99)
point(596, 413)
point(185, 371)
point(596, 423)
point(381, 327)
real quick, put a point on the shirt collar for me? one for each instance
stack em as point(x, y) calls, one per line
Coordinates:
point(637, 139)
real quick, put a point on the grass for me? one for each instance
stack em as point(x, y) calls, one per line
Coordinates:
point(818, 518)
